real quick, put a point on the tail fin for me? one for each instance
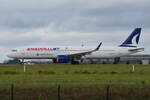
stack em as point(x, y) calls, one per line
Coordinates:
point(133, 39)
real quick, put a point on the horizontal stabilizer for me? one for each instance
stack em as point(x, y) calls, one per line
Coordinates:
point(136, 50)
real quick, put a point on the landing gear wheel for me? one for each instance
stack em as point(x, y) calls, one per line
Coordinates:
point(54, 60)
point(75, 62)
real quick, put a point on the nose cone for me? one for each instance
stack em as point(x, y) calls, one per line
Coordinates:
point(11, 55)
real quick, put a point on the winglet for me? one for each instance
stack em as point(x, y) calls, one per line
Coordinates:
point(98, 47)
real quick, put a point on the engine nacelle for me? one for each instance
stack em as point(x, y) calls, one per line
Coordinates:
point(63, 59)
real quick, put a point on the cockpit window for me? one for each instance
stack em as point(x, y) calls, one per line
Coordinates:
point(14, 50)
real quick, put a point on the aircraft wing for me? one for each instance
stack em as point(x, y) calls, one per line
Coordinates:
point(85, 53)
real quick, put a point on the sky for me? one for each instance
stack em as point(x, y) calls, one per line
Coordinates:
point(71, 22)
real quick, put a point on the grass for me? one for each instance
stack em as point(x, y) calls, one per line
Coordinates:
point(74, 75)
point(78, 82)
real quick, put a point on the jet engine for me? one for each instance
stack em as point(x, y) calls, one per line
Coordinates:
point(63, 59)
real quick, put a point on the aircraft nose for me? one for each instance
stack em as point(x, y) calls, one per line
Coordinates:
point(10, 55)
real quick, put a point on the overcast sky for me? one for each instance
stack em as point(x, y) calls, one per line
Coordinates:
point(71, 22)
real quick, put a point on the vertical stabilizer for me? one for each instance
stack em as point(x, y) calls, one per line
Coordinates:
point(133, 39)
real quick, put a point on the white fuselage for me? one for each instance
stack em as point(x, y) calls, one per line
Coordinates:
point(65, 54)
point(50, 53)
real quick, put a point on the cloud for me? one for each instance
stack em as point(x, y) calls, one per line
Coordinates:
point(65, 22)
point(68, 15)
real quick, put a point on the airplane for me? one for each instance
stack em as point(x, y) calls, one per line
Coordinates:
point(68, 54)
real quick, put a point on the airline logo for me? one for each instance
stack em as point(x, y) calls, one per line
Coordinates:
point(133, 39)
point(42, 49)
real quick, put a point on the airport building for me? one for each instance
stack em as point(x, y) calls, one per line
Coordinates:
point(135, 59)
point(130, 59)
